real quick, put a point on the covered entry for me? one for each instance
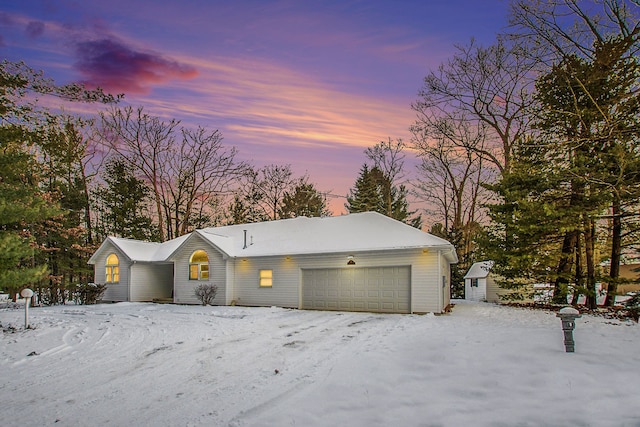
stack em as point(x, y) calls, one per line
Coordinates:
point(375, 289)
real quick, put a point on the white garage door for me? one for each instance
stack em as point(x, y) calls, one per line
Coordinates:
point(379, 289)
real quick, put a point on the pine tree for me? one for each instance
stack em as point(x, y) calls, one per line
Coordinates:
point(27, 202)
point(22, 204)
point(123, 201)
point(303, 200)
point(375, 192)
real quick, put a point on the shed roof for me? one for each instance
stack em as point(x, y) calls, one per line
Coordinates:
point(479, 270)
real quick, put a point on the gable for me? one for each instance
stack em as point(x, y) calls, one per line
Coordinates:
point(107, 247)
point(192, 242)
point(479, 270)
point(361, 232)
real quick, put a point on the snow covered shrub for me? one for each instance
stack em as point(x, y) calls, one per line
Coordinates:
point(88, 293)
point(206, 293)
point(633, 306)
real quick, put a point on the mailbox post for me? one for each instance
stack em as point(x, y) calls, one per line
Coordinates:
point(26, 294)
point(568, 315)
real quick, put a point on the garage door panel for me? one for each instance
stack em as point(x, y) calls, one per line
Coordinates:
point(377, 289)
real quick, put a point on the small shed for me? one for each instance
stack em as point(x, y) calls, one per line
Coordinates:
point(479, 285)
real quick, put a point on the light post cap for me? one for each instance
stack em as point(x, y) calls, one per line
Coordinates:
point(26, 293)
point(569, 310)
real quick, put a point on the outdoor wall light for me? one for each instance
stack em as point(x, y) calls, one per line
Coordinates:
point(350, 260)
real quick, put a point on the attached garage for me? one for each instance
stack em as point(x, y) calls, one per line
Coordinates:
point(374, 289)
point(357, 262)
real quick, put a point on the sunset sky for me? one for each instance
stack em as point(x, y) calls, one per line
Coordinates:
point(299, 82)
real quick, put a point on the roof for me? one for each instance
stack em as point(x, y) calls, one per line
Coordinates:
point(137, 250)
point(367, 231)
point(479, 270)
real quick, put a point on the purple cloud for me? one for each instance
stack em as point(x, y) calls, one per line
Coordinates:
point(34, 29)
point(116, 67)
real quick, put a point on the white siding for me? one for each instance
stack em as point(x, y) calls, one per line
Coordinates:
point(183, 287)
point(475, 293)
point(286, 280)
point(150, 281)
point(426, 282)
point(493, 290)
point(426, 277)
point(115, 291)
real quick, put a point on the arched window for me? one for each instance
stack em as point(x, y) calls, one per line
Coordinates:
point(112, 269)
point(199, 266)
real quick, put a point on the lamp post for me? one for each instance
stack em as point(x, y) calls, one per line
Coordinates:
point(26, 294)
point(568, 315)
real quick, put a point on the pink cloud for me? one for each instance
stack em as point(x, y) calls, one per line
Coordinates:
point(115, 67)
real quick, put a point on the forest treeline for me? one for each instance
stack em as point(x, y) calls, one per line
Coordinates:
point(528, 153)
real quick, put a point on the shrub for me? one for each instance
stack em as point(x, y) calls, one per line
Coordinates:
point(88, 293)
point(633, 306)
point(206, 293)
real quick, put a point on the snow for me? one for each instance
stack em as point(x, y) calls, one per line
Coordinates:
point(365, 231)
point(479, 270)
point(153, 364)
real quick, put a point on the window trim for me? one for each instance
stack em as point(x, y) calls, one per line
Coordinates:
point(265, 278)
point(199, 266)
point(112, 269)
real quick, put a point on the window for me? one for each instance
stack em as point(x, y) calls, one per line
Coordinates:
point(199, 266)
point(266, 278)
point(112, 269)
point(474, 282)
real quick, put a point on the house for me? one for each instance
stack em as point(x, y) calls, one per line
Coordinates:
point(357, 262)
point(479, 285)
point(630, 275)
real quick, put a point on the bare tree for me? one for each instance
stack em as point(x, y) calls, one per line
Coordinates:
point(272, 182)
point(488, 86)
point(198, 169)
point(388, 156)
point(185, 171)
point(451, 175)
point(143, 142)
point(553, 29)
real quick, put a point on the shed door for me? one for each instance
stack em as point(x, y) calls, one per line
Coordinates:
point(375, 289)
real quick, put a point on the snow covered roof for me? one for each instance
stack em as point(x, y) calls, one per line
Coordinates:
point(137, 250)
point(479, 270)
point(367, 231)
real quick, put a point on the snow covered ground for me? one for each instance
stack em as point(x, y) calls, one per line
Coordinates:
point(132, 364)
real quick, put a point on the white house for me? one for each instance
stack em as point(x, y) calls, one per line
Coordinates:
point(357, 262)
point(478, 283)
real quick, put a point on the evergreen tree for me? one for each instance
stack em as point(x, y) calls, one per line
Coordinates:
point(366, 195)
point(303, 200)
point(374, 192)
point(528, 221)
point(124, 201)
point(22, 204)
point(590, 111)
point(28, 203)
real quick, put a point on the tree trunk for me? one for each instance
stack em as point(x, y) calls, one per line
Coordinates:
point(564, 267)
point(579, 273)
point(589, 249)
point(616, 250)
